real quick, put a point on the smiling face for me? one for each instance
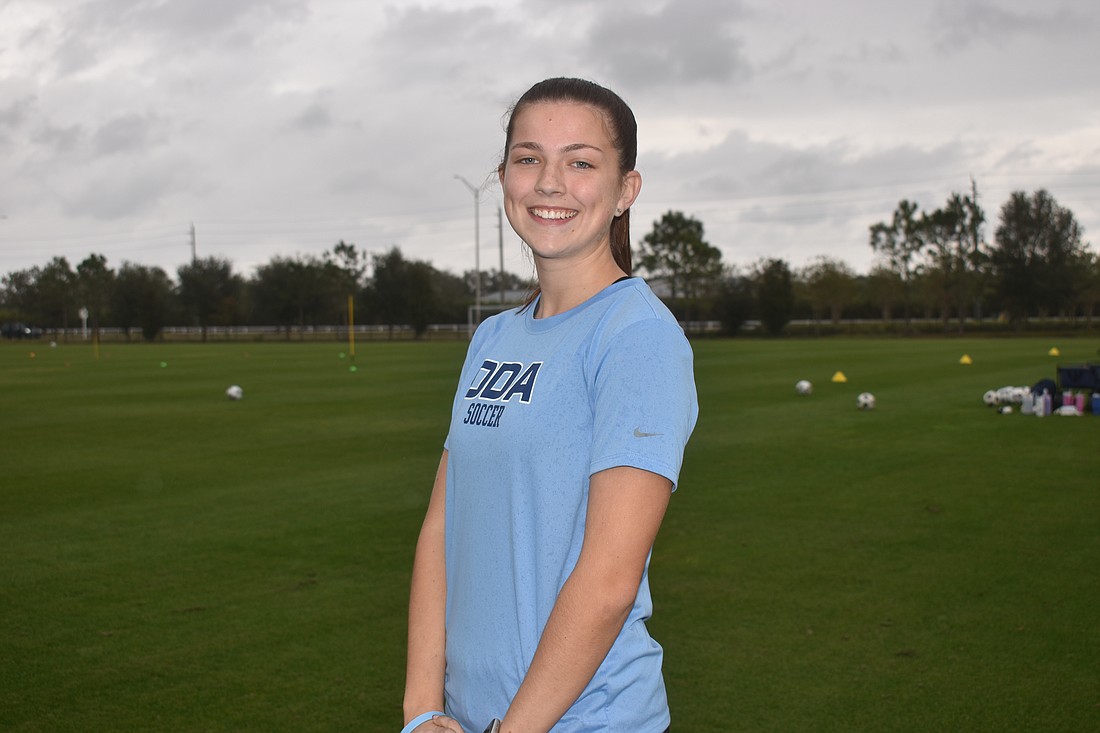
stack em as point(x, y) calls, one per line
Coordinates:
point(562, 182)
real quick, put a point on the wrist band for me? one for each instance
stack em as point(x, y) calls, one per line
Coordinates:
point(422, 718)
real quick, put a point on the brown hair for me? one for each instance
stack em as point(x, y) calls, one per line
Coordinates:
point(621, 126)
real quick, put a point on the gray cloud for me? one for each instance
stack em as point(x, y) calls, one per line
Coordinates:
point(16, 113)
point(287, 124)
point(440, 45)
point(689, 42)
point(91, 33)
point(112, 192)
point(114, 198)
point(313, 118)
point(203, 19)
point(741, 166)
point(1024, 154)
point(872, 53)
point(58, 140)
point(959, 23)
point(125, 134)
point(760, 198)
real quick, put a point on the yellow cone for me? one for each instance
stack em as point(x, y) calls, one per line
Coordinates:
point(1054, 351)
point(839, 377)
point(966, 359)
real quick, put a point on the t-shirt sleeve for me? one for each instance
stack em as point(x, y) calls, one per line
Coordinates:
point(644, 400)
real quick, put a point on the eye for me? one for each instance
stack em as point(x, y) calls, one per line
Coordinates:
point(583, 164)
point(526, 160)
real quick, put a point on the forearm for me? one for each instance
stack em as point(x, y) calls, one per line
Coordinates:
point(625, 508)
point(585, 621)
point(426, 662)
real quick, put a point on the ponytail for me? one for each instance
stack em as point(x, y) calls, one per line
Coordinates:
point(620, 242)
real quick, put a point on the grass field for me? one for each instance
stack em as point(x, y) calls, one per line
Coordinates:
point(175, 561)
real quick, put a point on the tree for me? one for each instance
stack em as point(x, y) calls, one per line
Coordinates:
point(734, 303)
point(291, 291)
point(346, 268)
point(954, 237)
point(774, 294)
point(422, 301)
point(1089, 295)
point(402, 292)
point(885, 289)
point(495, 282)
point(94, 285)
point(676, 252)
point(350, 267)
point(1037, 246)
point(830, 285)
point(415, 294)
point(18, 294)
point(451, 297)
point(55, 293)
point(142, 297)
point(900, 243)
point(926, 292)
point(210, 292)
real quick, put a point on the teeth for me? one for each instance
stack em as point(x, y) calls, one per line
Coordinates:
point(553, 213)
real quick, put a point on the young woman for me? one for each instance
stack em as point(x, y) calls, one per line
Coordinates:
point(529, 589)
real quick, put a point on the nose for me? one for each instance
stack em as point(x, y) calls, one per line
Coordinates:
point(549, 181)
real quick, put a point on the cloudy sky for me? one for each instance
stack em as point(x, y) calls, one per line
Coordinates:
point(283, 126)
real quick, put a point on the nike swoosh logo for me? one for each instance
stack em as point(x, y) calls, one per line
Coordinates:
point(639, 434)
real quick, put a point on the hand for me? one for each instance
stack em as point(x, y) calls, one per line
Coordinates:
point(439, 724)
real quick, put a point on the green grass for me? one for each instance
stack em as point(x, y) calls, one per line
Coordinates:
point(172, 560)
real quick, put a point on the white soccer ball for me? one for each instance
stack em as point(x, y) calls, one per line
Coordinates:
point(1005, 409)
point(991, 398)
point(234, 392)
point(865, 401)
point(803, 386)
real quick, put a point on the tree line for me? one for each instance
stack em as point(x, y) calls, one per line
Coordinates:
point(928, 264)
point(295, 292)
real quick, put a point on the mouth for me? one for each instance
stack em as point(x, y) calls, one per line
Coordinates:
point(552, 214)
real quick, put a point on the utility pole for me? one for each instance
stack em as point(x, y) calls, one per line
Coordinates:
point(193, 258)
point(500, 238)
point(476, 191)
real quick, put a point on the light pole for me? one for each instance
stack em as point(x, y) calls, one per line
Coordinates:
point(476, 191)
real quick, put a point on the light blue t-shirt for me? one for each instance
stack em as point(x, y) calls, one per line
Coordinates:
point(542, 405)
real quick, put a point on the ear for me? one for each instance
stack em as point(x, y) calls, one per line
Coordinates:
point(500, 174)
point(632, 186)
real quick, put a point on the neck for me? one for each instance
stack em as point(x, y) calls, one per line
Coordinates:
point(565, 286)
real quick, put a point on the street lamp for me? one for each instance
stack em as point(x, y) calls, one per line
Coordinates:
point(476, 191)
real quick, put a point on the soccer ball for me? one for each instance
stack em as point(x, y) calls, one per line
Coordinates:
point(865, 401)
point(803, 386)
point(991, 398)
point(234, 392)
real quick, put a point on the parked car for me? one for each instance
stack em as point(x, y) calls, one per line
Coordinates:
point(16, 330)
